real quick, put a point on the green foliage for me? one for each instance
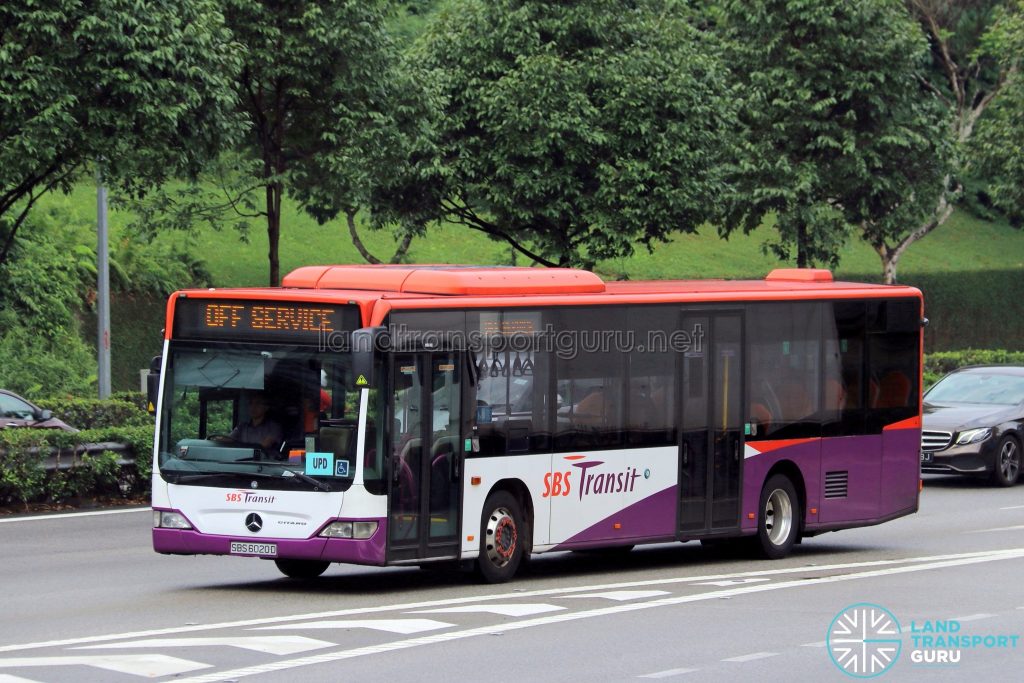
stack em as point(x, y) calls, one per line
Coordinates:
point(574, 131)
point(834, 131)
point(940, 363)
point(141, 85)
point(91, 413)
point(47, 465)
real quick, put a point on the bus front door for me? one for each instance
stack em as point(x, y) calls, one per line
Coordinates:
point(711, 448)
point(425, 489)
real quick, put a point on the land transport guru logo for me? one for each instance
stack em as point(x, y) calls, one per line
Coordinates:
point(865, 640)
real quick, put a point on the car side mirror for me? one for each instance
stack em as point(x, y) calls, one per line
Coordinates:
point(43, 415)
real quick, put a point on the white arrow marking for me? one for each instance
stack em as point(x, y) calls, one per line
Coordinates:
point(404, 626)
point(729, 582)
point(510, 610)
point(621, 596)
point(148, 665)
point(273, 645)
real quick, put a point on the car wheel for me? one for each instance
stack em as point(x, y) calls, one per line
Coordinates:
point(503, 538)
point(302, 569)
point(779, 524)
point(1007, 463)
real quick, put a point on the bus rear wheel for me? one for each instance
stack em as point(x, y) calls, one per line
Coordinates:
point(302, 569)
point(503, 538)
point(778, 524)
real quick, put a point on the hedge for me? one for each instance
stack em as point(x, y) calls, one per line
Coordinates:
point(109, 456)
point(943, 362)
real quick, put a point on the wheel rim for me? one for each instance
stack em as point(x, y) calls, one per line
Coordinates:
point(1009, 461)
point(778, 516)
point(502, 537)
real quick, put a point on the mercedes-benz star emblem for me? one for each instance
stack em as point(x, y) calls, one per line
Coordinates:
point(253, 522)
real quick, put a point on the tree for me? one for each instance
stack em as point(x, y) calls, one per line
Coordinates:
point(833, 129)
point(974, 63)
point(311, 92)
point(572, 130)
point(139, 86)
point(998, 147)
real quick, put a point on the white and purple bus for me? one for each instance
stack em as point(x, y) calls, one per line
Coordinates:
point(419, 414)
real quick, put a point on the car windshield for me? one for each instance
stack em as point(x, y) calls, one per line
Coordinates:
point(979, 388)
point(11, 406)
point(283, 413)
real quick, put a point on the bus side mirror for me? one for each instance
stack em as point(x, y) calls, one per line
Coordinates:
point(153, 385)
point(367, 344)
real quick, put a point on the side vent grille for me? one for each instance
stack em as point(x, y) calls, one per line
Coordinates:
point(836, 484)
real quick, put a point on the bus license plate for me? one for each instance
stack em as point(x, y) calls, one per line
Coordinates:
point(263, 549)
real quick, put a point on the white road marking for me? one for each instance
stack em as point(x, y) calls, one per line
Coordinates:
point(329, 657)
point(273, 645)
point(1013, 507)
point(973, 617)
point(510, 610)
point(669, 673)
point(403, 626)
point(985, 555)
point(68, 515)
point(820, 643)
point(620, 596)
point(997, 528)
point(148, 665)
point(751, 657)
point(7, 678)
point(729, 582)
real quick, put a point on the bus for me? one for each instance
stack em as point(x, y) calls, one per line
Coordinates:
point(408, 414)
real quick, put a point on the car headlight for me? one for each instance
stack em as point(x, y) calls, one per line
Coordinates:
point(973, 436)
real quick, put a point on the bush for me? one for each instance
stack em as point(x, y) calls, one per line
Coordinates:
point(91, 413)
point(943, 362)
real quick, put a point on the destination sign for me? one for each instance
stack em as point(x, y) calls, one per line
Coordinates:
point(283, 321)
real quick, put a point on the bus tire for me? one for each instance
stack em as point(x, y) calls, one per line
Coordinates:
point(778, 524)
point(302, 569)
point(503, 538)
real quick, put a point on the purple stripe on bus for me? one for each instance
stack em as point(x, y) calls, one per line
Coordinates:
point(191, 542)
point(651, 518)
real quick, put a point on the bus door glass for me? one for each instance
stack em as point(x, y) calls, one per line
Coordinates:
point(711, 448)
point(426, 456)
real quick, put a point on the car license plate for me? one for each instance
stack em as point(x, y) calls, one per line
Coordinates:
point(264, 549)
point(926, 457)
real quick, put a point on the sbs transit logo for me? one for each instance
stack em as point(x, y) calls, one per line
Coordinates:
point(864, 640)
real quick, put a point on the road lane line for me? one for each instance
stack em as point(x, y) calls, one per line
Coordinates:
point(148, 665)
point(1013, 507)
point(619, 596)
point(820, 643)
point(996, 528)
point(527, 609)
point(330, 657)
point(751, 657)
point(669, 673)
point(272, 645)
point(68, 515)
point(402, 626)
point(973, 617)
point(558, 592)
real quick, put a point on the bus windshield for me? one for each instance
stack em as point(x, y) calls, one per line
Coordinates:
point(281, 415)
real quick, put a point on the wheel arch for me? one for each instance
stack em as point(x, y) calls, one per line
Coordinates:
point(521, 493)
point(789, 469)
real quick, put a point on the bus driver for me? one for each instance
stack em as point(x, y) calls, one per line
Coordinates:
point(259, 429)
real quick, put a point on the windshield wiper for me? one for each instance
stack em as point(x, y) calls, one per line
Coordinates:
point(173, 478)
point(287, 474)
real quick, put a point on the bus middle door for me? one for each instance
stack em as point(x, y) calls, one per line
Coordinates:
point(424, 496)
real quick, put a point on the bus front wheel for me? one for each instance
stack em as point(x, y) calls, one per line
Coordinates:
point(779, 523)
point(503, 538)
point(302, 569)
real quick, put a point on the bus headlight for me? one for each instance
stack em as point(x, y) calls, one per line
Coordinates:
point(973, 436)
point(359, 530)
point(165, 519)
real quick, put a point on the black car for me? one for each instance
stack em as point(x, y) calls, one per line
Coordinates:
point(16, 411)
point(974, 423)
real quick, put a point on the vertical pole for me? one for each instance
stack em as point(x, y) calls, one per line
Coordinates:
point(102, 288)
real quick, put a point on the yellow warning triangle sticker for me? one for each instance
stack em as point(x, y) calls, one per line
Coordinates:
point(361, 381)
point(150, 407)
